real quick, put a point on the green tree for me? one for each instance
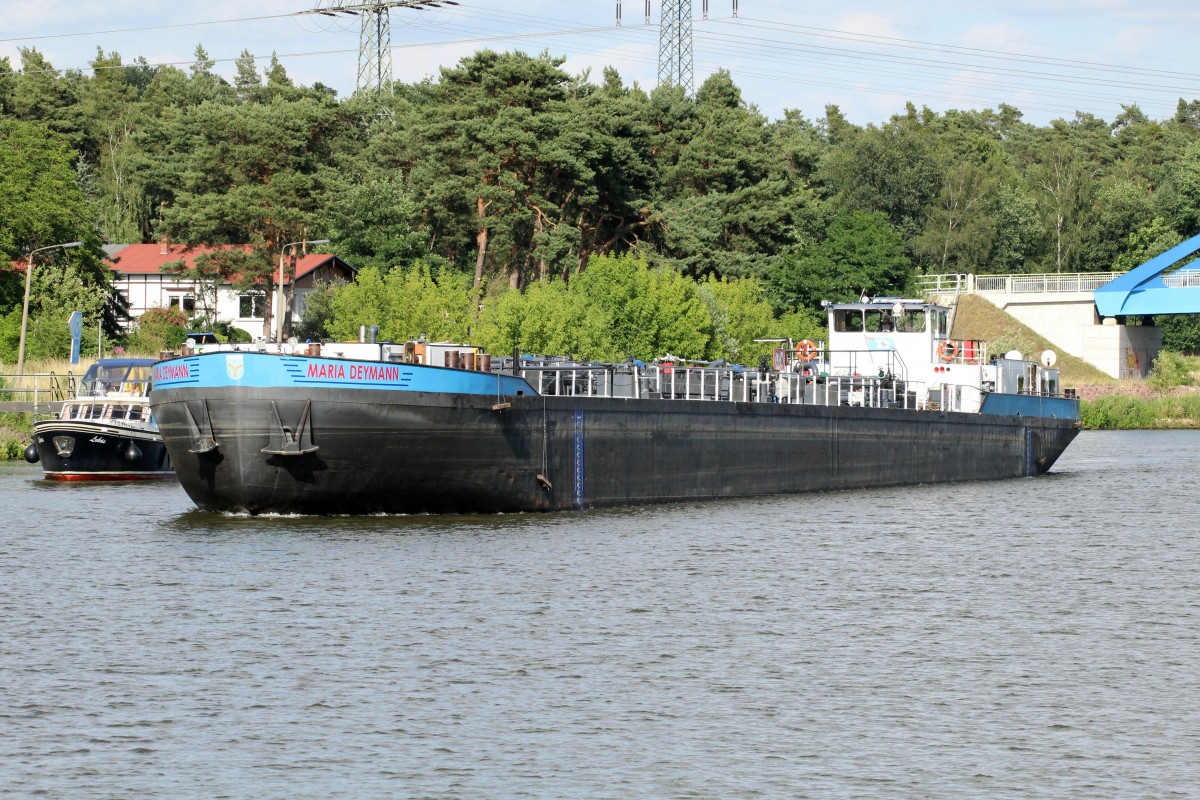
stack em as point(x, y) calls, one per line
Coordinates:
point(478, 150)
point(616, 129)
point(740, 314)
point(958, 232)
point(616, 309)
point(1178, 201)
point(42, 205)
point(60, 288)
point(40, 202)
point(1124, 205)
point(247, 82)
point(374, 222)
point(318, 312)
point(1062, 184)
point(1145, 243)
point(544, 318)
point(861, 254)
point(44, 96)
point(253, 174)
point(1018, 235)
point(157, 330)
point(113, 115)
point(731, 208)
point(891, 170)
point(405, 303)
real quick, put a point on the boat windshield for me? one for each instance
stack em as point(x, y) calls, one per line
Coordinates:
point(111, 376)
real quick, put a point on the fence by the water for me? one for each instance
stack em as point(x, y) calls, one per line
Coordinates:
point(32, 390)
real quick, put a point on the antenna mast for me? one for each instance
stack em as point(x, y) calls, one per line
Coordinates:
point(375, 35)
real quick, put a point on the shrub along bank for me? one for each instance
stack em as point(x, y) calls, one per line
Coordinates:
point(1123, 412)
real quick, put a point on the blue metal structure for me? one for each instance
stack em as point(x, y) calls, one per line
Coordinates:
point(1143, 291)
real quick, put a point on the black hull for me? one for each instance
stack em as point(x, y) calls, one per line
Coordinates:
point(411, 452)
point(100, 452)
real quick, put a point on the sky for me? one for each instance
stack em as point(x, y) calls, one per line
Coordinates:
point(1049, 58)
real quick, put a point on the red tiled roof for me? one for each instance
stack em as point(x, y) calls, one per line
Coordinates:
point(146, 259)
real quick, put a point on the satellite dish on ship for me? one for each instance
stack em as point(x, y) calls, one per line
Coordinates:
point(1014, 355)
point(1049, 358)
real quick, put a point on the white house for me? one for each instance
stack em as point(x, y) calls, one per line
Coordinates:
point(137, 274)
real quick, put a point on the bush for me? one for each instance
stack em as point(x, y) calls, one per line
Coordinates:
point(11, 451)
point(318, 313)
point(1168, 371)
point(228, 332)
point(158, 329)
point(1181, 332)
point(1118, 412)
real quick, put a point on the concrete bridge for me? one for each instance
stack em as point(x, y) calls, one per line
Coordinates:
point(1062, 308)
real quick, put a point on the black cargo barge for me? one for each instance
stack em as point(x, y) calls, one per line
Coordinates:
point(454, 453)
point(377, 428)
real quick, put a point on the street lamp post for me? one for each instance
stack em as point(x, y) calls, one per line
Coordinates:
point(25, 305)
point(282, 254)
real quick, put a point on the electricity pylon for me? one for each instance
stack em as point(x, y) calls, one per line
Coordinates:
point(675, 44)
point(375, 35)
point(675, 41)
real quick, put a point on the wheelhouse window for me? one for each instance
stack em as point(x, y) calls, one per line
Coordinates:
point(848, 320)
point(877, 321)
point(912, 320)
point(251, 306)
point(941, 321)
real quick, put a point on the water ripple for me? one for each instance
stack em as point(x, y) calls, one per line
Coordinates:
point(1027, 638)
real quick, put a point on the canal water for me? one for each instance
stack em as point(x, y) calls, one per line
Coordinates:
point(1017, 639)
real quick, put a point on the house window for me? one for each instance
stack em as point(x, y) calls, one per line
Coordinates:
point(184, 301)
point(250, 306)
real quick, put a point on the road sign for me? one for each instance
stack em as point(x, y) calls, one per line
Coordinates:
point(75, 324)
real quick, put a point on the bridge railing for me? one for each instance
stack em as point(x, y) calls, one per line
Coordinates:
point(1182, 279)
point(943, 284)
point(1045, 283)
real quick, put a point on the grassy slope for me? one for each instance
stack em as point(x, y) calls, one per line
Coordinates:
point(976, 318)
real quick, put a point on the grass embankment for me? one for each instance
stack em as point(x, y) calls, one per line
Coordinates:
point(976, 318)
point(1107, 403)
point(16, 429)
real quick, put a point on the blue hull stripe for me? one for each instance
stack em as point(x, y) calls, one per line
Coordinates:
point(234, 369)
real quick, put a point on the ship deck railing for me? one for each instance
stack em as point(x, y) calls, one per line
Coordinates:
point(963, 351)
point(118, 402)
point(735, 384)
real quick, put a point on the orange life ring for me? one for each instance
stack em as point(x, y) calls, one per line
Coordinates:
point(948, 350)
point(806, 349)
point(666, 367)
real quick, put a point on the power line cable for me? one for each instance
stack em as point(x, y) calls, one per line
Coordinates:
point(141, 29)
point(892, 41)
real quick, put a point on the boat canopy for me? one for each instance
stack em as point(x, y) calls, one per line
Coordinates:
point(128, 375)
